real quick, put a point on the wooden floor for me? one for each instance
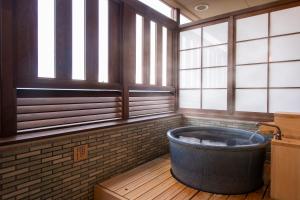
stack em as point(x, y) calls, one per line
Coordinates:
point(153, 180)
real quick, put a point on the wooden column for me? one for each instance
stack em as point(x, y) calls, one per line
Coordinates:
point(231, 66)
point(159, 55)
point(8, 124)
point(63, 39)
point(128, 59)
point(146, 53)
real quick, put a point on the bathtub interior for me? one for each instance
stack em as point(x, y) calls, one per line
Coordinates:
point(211, 136)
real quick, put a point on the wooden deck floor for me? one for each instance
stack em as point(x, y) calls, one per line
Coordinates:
point(153, 180)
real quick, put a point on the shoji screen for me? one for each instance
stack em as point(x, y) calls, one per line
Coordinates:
point(190, 69)
point(285, 60)
point(268, 62)
point(203, 67)
point(252, 63)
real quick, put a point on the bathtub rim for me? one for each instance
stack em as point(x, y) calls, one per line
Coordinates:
point(211, 147)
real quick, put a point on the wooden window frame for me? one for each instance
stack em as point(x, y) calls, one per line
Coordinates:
point(230, 113)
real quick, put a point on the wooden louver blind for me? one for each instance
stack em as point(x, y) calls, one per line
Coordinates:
point(151, 105)
point(41, 113)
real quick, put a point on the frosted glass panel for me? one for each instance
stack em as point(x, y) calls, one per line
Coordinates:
point(78, 40)
point(190, 78)
point(251, 100)
point(138, 49)
point(190, 39)
point(251, 76)
point(189, 99)
point(252, 52)
point(190, 59)
point(215, 34)
point(46, 66)
point(215, 77)
point(215, 56)
point(214, 99)
point(285, 21)
point(285, 74)
point(284, 100)
point(103, 41)
point(252, 27)
point(285, 48)
point(152, 52)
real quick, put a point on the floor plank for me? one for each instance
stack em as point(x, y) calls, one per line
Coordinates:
point(186, 194)
point(147, 186)
point(258, 194)
point(202, 196)
point(121, 180)
point(137, 183)
point(237, 197)
point(170, 192)
point(157, 190)
point(219, 197)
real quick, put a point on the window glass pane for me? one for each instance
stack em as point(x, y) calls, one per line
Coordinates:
point(189, 99)
point(215, 77)
point(190, 59)
point(190, 78)
point(139, 49)
point(214, 99)
point(184, 19)
point(46, 41)
point(164, 55)
point(285, 74)
point(284, 100)
point(251, 76)
point(215, 56)
point(152, 52)
point(285, 48)
point(190, 39)
point(252, 27)
point(215, 34)
point(252, 52)
point(78, 39)
point(285, 21)
point(103, 41)
point(251, 100)
point(159, 6)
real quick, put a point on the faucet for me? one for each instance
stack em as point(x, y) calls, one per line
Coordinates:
point(277, 134)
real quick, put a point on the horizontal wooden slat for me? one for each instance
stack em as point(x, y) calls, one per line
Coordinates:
point(65, 107)
point(153, 111)
point(63, 121)
point(144, 103)
point(63, 114)
point(154, 98)
point(64, 100)
point(150, 107)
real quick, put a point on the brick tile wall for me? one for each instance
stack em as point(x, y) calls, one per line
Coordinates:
point(45, 169)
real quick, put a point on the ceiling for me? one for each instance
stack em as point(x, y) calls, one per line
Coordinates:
point(216, 7)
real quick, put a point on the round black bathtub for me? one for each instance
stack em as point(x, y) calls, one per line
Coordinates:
point(217, 160)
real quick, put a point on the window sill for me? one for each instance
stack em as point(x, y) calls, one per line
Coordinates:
point(76, 129)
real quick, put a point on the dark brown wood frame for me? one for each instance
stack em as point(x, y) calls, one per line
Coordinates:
point(231, 18)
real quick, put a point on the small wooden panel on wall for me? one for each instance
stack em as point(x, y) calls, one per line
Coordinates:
point(81, 153)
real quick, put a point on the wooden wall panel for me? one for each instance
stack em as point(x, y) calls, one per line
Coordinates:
point(63, 36)
point(8, 95)
point(92, 40)
point(26, 40)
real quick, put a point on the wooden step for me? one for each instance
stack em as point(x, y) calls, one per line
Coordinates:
point(153, 181)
